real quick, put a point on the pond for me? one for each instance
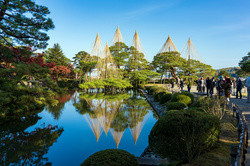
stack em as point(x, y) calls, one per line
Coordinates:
point(87, 123)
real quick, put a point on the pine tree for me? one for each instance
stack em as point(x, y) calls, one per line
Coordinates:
point(56, 55)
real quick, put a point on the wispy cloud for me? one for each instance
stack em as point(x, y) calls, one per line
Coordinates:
point(234, 26)
point(148, 9)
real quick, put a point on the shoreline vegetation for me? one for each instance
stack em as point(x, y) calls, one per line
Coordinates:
point(220, 153)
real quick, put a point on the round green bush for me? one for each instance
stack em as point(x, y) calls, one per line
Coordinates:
point(188, 94)
point(158, 96)
point(184, 134)
point(166, 98)
point(176, 106)
point(111, 157)
point(178, 97)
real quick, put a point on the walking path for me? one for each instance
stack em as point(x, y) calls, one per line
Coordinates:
point(245, 107)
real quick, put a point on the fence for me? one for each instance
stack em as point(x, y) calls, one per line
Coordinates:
point(238, 152)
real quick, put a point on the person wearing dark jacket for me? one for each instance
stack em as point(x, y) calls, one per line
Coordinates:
point(208, 85)
point(212, 86)
point(239, 88)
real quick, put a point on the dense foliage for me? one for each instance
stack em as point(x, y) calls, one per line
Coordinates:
point(111, 157)
point(178, 97)
point(24, 22)
point(176, 106)
point(183, 135)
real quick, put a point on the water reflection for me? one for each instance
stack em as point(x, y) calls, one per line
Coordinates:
point(56, 110)
point(21, 147)
point(114, 113)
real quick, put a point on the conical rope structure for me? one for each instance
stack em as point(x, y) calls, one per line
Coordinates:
point(105, 66)
point(137, 43)
point(117, 37)
point(96, 53)
point(168, 46)
point(189, 52)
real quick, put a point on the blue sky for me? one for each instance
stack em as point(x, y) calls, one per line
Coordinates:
point(219, 29)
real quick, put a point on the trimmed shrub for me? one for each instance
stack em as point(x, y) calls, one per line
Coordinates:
point(183, 135)
point(178, 97)
point(156, 89)
point(166, 98)
point(188, 94)
point(176, 106)
point(158, 96)
point(111, 157)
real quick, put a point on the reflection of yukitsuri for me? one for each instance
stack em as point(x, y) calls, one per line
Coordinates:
point(117, 135)
point(95, 126)
point(136, 130)
point(94, 119)
point(137, 112)
point(189, 52)
point(168, 46)
point(109, 110)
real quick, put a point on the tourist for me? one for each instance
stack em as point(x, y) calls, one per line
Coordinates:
point(172, 83)
point(233, 86)
point(212, 86)
point(239, 88)
point(181, 85)
point(202, 85)
point(247, 84)
point(189, 85)
point(208, 85)
point(227, 88)
point(199, 85)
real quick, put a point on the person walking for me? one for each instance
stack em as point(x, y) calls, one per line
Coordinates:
point(238, 88)
point(247, 84)
point(227, 88)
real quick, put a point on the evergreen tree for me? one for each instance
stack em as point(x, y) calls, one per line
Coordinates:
point(120, 54)
point(136, 60)
point(24, 22)
point(244, 66)
point(55, 54)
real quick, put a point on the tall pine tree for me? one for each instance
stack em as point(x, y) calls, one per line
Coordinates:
point(56, 55)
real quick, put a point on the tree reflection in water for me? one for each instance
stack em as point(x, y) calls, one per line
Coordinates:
point(56, 110)
point(20, 147)
point(115, 113)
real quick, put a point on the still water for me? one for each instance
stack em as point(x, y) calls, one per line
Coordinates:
point(89, 123)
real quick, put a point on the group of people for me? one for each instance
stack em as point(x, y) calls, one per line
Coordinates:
point(224, 87)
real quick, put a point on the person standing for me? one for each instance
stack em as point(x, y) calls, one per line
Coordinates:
point(227, 88)
point(181, 85)
point(212, 86)
point(208, 86)
point(189, 85)
point(247, 83)
point(238, 88)
point(202, 85)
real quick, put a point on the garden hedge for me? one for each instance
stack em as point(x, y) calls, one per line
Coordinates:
point(166, 98)
point(188, 94)
point(183, 134)
point(158, 96)
point(111, 157)
point(176, 106)
point(178, 97)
